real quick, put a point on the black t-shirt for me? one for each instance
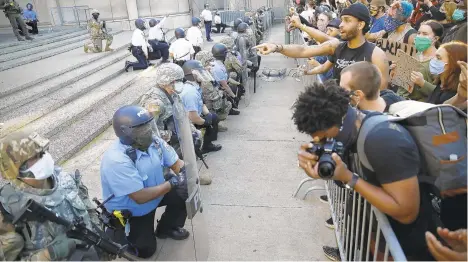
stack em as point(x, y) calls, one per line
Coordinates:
point(345, 56)
point(394, 156)
point(390, 98)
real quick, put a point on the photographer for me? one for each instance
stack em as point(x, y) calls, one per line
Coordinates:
point(322, 111)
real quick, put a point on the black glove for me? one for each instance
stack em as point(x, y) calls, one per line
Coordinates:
point(172, 179)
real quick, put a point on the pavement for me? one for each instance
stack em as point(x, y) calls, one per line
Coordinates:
point(249, 212)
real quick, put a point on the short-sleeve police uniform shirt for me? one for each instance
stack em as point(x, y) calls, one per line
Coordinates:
point(121, 177)
point(192, 97)
point(219, 71)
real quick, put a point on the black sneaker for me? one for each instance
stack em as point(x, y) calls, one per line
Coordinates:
point(234, 112)
point(176, 234)
point(329, 223)
point(332, 253)
point(324, 199)
point(211, 148)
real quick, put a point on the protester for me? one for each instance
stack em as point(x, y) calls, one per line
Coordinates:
point(456, 240)
point(460, 99)
point(457, 30)
point(396, 26)
point(30, 18)
point(422, 12)
point(377, 10)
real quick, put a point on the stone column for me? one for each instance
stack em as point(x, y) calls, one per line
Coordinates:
point(132, 9)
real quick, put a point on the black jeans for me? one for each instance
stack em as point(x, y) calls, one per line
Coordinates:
point(197, 49)
point(218, 28)
point(33, 24)
point(140, 56)
point(163, 47)
point(211, 133)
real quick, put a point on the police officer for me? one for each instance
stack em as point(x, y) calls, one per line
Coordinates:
point(28, 172)
point(195, 35)
point(132, 172)
point(156, 39)
point(139, 47)
point(12, 12)
point(208, 20)
point(98, 32)
point(158, 101)
point(192, 98)
point(181, 50)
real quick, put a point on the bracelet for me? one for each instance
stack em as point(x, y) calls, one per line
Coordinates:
point(302, 27)
point(276, 49)
point(281, 48)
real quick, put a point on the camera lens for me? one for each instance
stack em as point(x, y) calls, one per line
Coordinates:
point(326, 167)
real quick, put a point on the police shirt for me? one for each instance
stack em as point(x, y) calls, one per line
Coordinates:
point(138, 39)
point(206, 15)
point(195, 36)
point(217, 19)
point(156, 31)
point(121, 177)
point(192, 97)
point(181, 49)
point(219, 71)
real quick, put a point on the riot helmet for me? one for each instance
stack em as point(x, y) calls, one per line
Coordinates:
point(219, 51)
point(19, 147)
point(242, 28)
point(179, 33)
point(95, 13)
point(196, 21)
point(140, 24)
point(237, 22)
point(195, 72)
point(153, 22)
point(247, 20)
point(133, 126)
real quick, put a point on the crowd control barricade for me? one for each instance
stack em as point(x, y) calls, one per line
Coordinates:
point(302, 63)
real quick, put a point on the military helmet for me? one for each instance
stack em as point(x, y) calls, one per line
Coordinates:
point(16, 149)
point(237, 22)
point(127, 120)
point(179, 33)
point(196, 21)
point(94, 11)
point(140, 24)
point(219, 51)
point(228, 42)
point(168, 73)
point(153, 22)
point(242, 28)
point(247, 20)
point(205, 57)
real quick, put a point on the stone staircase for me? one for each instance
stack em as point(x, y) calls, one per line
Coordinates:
point(51, 86)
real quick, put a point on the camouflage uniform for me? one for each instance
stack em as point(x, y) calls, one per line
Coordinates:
point(97, 34)
point(213, 97)
point(13, 13)
point(232, 63)
point(67, 197)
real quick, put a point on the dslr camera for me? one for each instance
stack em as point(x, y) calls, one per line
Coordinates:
point(326, 164)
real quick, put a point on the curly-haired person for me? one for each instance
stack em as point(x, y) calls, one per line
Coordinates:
point(323, 111)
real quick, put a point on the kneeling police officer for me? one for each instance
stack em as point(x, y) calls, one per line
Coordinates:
point(132, 177)
point(139, 47)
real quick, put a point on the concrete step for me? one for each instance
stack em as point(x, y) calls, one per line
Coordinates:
point(16, 79)
point(75, 136)
point(32, 93)
point(37, 108)
point(25, 60)
point(42, 41)
point(43, 37)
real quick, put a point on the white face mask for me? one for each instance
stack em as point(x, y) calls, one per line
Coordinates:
point(179, 87)
point(43, 168)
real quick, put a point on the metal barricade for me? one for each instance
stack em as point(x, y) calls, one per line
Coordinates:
point(73, 15)
point(302, 63)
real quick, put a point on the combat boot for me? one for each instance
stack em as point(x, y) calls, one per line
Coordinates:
point(205, 179)
point(86, 48)
point(29, 38)
point(222, 127)
point(108, 49)
point(19, 38)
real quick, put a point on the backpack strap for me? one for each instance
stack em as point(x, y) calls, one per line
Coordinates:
point(368, 124)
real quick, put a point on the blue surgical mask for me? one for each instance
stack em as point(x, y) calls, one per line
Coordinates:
point(458, 15)
point(436, 66)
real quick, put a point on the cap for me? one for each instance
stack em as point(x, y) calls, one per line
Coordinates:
point(359, 11)
point(379, 3)
point(335, 23)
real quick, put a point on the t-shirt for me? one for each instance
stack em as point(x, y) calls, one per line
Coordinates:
point(377, 24)
point(345, 56)
point(394, 156)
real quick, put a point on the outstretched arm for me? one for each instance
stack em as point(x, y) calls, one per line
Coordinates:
point(300, 51)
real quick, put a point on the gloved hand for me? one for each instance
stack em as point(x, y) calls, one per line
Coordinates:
point(62, 247)
point(172, 179)
point(208, 119)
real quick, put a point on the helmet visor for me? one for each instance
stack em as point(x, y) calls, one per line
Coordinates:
point(201, 75)
point(142, 135)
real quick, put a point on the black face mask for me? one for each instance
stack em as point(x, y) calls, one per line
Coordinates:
point(349, 132)
point(96, 16)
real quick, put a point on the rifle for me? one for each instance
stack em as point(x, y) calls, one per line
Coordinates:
point(198, 152)
point(33, 211)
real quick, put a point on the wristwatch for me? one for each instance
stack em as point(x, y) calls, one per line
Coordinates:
point(353, 181)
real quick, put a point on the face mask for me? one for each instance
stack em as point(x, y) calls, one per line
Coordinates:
point(178, 87)
point(458, 15)
point(43, 168)
point(95, 16)
point(373, 12)
point(422, 43)
point(391, 24)
point(348, 132)
point(436, 67)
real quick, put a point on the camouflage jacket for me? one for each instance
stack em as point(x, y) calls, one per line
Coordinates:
point(232, 63)
point(68, 197)
point(212, 95)
point(251, 36)
point(95, 28)
point(11, 7)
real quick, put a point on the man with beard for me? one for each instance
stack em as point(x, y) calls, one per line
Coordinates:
point(377, 9)
point(355, 22)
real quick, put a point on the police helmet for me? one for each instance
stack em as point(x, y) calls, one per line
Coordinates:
point(140, 24)
point(167, 73)
point(247, 20)
point(179, 33)
point(194, 71)
point(237, 22)
point(195, 21)
point(153, 22)
point(16, 149)
point(219, 51)
point(242, 28)
point(129, 123)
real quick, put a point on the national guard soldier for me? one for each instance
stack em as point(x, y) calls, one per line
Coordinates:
point(169, 81)
point(28, 173)
point(214, 98)
point(12, 12)
point(139, 47)
point(243, 30)
point(98, 32)
point(233, 32)
point(195, 35)
point(156, 38)
point(132, 179)
point(232, 62)
point(181, 50)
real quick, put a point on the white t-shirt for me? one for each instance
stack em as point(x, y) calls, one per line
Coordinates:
point(156, 31)
point(138, 39)
point(206, 15)
point(181, 49)
point(217, 20)
point(195, 36)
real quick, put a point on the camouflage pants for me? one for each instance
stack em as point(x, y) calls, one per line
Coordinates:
point(221, 108)
point(95, 43)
